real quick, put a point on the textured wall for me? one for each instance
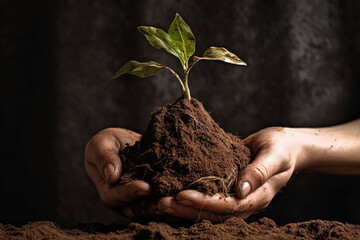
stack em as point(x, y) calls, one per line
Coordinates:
point(302, 71)
point(28, 177)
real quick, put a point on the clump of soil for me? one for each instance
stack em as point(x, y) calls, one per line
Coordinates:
point(232, 228)
point(184, 148)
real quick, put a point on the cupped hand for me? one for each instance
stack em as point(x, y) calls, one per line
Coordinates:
point(104, 167)
point(276, 152)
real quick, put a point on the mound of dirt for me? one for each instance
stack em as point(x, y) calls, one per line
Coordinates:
point(233, 228)
point(184, 148)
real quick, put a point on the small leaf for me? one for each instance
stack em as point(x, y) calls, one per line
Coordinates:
point(162, 41)
point(182, 36)
point(220, 54)
point(140, 69)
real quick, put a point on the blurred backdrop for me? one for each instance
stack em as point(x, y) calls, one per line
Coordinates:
point(57, 57)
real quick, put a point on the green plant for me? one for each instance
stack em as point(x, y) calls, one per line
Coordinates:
point(180, 42)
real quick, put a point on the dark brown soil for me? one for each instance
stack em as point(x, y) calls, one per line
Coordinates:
point(184, 148)
point(231, 229)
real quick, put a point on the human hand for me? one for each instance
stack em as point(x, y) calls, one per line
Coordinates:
point(277, 153)
point(104, 167)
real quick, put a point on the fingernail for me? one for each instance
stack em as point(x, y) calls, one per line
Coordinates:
point(108, 171)
point(245, 189)
point(185, 202)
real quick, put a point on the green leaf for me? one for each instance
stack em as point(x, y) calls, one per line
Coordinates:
point(140, 69)
point(182, 36)
point(162, 41)
point(220, 54)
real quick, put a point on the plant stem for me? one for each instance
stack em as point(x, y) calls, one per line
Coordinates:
point(187, 90)
point(183, 88)
point(195, 60)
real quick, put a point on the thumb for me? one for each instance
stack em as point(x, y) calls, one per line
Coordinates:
point(109, 166)
point(256, 173)
point(102, 151)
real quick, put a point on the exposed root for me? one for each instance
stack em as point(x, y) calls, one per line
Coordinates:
point(123, 159)
point(145, 165)
point(156, 163)
point(225, 183)
point(206, 179)
point(197, 122)
point(199, 215)
point(232, 178)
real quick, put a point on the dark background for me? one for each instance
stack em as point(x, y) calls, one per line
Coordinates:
point(57, 57)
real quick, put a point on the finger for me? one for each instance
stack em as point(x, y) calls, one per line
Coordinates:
point(170, 206)
point(117, 196)
point(260, 139)
point(256, 201)
point(252, 142)
point(109, 165)
point(266, 164)
point(142, 209)
point(214, 203)
point(102, 151)
point(125, 137)
point(94, 175)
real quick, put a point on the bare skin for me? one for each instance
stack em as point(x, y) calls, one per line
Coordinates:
point(103, 166)
point(279, 152)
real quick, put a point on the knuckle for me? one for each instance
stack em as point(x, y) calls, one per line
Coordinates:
point(260, 173)
point(104, 138)
point(242, 206)
point(162, 203)
point(276, 131)
point(96, 141)
point(238, 210)
point(100, 145)
point(283, 159)
point(100, 159)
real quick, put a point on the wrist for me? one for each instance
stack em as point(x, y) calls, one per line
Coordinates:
point(304, 144)
point(318, 149)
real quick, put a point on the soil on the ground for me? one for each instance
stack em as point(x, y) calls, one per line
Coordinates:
point(184, 148)
point(230, 229)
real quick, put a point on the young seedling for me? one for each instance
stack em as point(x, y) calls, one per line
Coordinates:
point(180, 42)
